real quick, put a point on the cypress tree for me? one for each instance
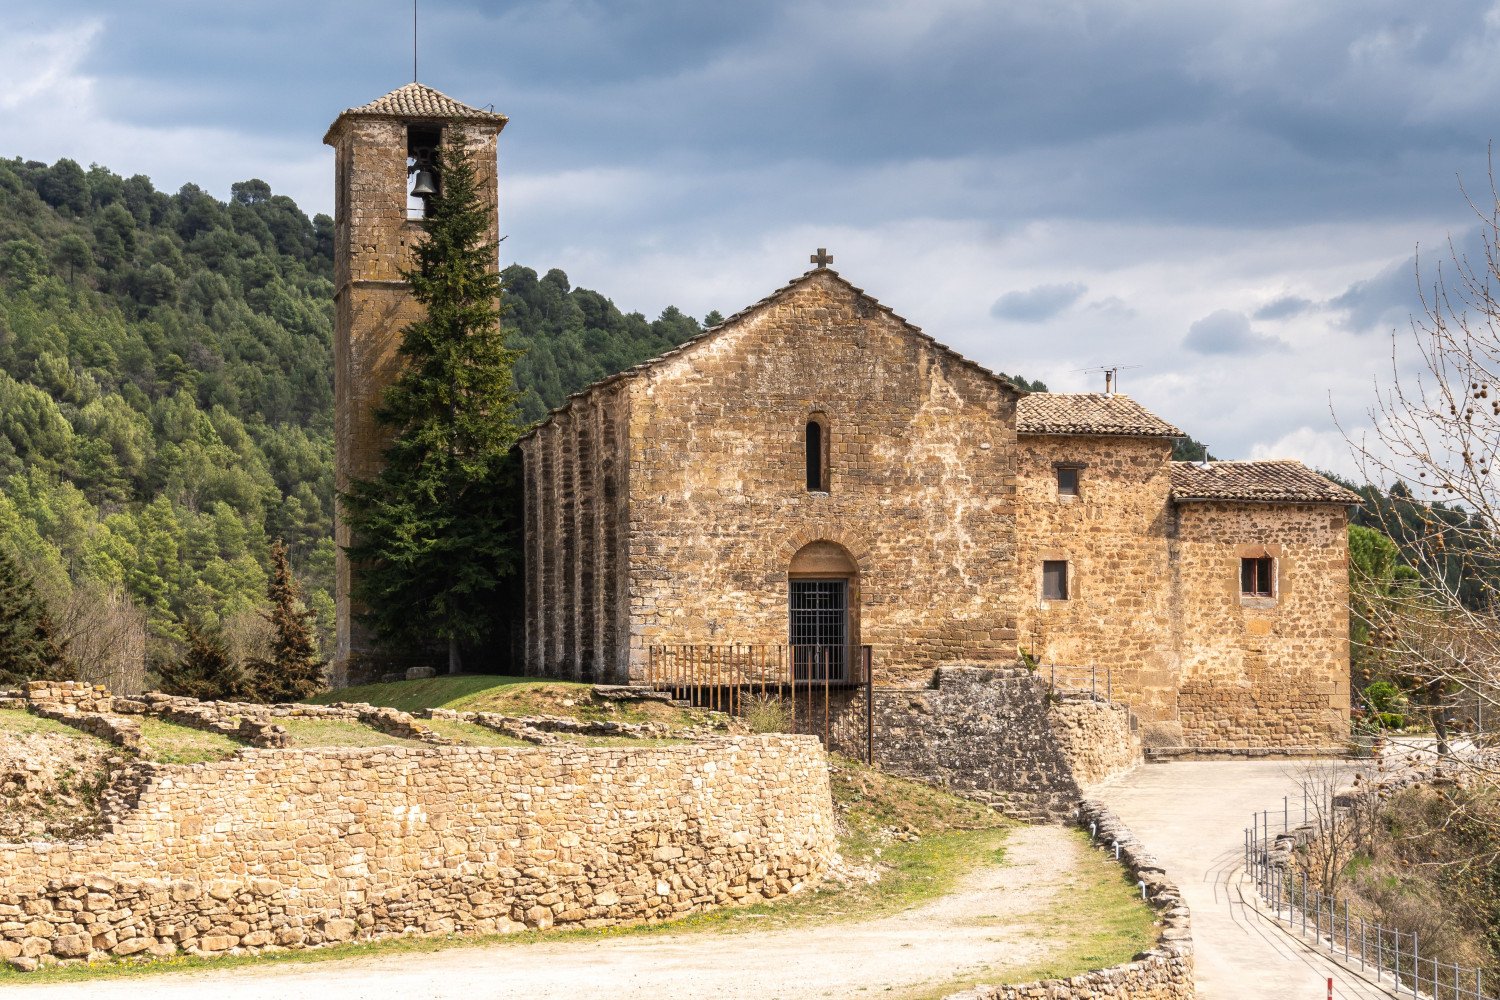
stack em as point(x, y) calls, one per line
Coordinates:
point(294, 670)
point(434, 533)
point(29, 648)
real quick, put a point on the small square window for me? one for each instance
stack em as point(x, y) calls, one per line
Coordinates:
point(1054, 580)
point(1258, 577)
point(1067, 481)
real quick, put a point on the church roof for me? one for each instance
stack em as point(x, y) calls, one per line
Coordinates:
point(419, 102)
point(735, 320)
point(1256, 482)
point(1089, 413)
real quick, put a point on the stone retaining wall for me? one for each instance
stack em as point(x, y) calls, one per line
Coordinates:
point(995, 734)
point(299, 848)
point(1164, 972)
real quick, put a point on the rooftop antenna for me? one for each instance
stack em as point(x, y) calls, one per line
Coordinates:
point(1111, 375)
point(413, 41)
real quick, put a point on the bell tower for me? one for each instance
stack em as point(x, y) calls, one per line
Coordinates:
point(383, 176)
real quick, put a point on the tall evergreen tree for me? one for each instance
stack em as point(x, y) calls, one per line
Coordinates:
point(28, 648)
point(294, 670)
point(432, 534)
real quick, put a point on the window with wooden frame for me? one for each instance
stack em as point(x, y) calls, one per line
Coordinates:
point(817, 453)
point(1258, 577)
point(1067, 479)
point(1055, 580)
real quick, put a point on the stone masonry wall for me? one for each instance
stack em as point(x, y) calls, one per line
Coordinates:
point(1113, 535)
point(576, 541)
point(296, 848)
point(1095, 737)
point(920, 460)
point(992, 734)
point(1263, 671)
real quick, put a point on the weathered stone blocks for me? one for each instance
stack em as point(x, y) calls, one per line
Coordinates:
point(298, 848)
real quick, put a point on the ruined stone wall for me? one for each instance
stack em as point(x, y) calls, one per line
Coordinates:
point(296, 848)
point(920, 484)
point(1113, 535)
point(1263, 671)
point(994, 734)
point(576, 541)
point(373, 240)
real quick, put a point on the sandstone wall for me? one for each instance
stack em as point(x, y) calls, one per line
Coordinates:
point(920, 484)
point(300, 848)
point(576, 541)
point(1263, 671)
point(1113, 535)
point(1097, 738)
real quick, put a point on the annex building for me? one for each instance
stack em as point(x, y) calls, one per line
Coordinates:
point(818, 478)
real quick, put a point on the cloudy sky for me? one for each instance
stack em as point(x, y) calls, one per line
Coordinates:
point(1228, 195)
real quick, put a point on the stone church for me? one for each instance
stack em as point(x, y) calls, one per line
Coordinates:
point(819, 477)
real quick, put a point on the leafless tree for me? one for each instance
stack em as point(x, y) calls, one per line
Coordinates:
point(1433, 445)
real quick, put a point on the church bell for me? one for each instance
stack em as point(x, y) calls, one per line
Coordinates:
point(423, 185)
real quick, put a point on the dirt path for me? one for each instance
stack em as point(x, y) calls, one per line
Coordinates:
point(1191, 815)
point(996, 919)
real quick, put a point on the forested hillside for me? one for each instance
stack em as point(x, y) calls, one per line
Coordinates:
point(166, 397)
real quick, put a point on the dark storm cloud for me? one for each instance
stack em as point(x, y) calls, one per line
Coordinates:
point(1207, 114)
point(1033, 305)
point(1392, 297)
point(1284, 307)
point(1229, 332)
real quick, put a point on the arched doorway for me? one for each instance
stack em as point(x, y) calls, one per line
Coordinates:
point(822, 611)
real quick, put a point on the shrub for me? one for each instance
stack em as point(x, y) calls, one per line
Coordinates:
point(767, 713)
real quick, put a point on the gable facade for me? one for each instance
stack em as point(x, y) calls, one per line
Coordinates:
point(674, 505)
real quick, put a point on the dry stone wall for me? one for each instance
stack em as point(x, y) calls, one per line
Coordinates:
point(298, 848)
point(988, 733)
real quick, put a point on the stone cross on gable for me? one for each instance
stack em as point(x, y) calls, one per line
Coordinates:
point(822, 258)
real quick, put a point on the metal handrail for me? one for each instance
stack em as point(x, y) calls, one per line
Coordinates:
point(1388, 951)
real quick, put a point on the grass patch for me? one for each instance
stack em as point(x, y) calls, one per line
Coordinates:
point(471, 734)
point(170, 743)
point(303, 732)
point(414, 696)
point(512, 696)
point(15, 720)
point(1101, 921)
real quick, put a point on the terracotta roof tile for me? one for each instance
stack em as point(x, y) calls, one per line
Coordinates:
point(420, 102)
point(1089, 413)
point(1255, 482)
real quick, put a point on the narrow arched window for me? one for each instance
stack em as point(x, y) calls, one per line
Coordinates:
point(817, 456)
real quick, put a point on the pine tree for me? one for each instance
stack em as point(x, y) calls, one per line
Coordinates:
point(434, 533)
point(29, 649)
point(206, 671)
point(294, 670)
